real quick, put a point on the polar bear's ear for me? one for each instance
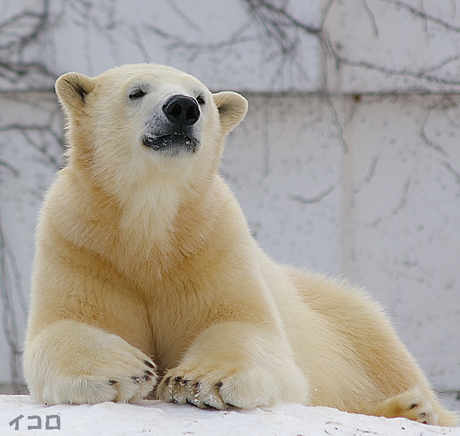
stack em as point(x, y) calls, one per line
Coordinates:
point(232, 109)
point(72, 89)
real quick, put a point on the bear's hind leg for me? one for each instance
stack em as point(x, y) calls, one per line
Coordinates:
point(414, 405)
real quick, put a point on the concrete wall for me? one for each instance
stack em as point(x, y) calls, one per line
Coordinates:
point(347, 163)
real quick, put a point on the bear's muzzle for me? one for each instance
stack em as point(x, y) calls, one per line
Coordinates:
point(178, 132)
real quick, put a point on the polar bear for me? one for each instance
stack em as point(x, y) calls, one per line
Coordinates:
point(146, 279)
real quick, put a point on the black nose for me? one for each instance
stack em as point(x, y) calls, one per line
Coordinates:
point(182, 110)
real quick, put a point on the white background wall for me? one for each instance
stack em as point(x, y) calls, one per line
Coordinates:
point(348, 161)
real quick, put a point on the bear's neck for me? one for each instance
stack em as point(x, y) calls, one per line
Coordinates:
point(155, 227)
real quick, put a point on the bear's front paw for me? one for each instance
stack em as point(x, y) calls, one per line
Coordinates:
point(134, 385)
point(216, 389)
point(203, 395)
point(70, 362)
point(118, 381)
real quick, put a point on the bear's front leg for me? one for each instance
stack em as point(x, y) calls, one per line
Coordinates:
point(235, 364)
point(72, 362)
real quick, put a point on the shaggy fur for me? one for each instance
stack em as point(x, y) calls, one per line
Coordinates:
point(146, 278)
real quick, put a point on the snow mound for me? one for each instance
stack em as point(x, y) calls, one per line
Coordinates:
point(20, 416)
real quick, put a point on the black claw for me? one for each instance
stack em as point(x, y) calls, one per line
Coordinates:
point(149, 364)
point(147, 372)
point(167, 380)
point(177, 380)
point(218, 385)
point(413, 406)
point(112, 382)
point(135, 379)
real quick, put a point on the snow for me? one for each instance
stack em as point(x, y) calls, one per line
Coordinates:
point(158, 418)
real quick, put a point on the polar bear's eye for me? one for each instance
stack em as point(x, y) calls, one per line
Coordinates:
point(200, 100)
point(136, 94)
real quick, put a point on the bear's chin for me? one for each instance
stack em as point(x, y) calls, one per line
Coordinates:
point(171, 144)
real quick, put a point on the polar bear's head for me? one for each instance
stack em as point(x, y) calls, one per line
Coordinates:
point(145, 119)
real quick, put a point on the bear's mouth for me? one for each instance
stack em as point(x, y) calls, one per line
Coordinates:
point(172, 143)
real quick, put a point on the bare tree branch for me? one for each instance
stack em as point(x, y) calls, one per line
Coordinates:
point(423, 15)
